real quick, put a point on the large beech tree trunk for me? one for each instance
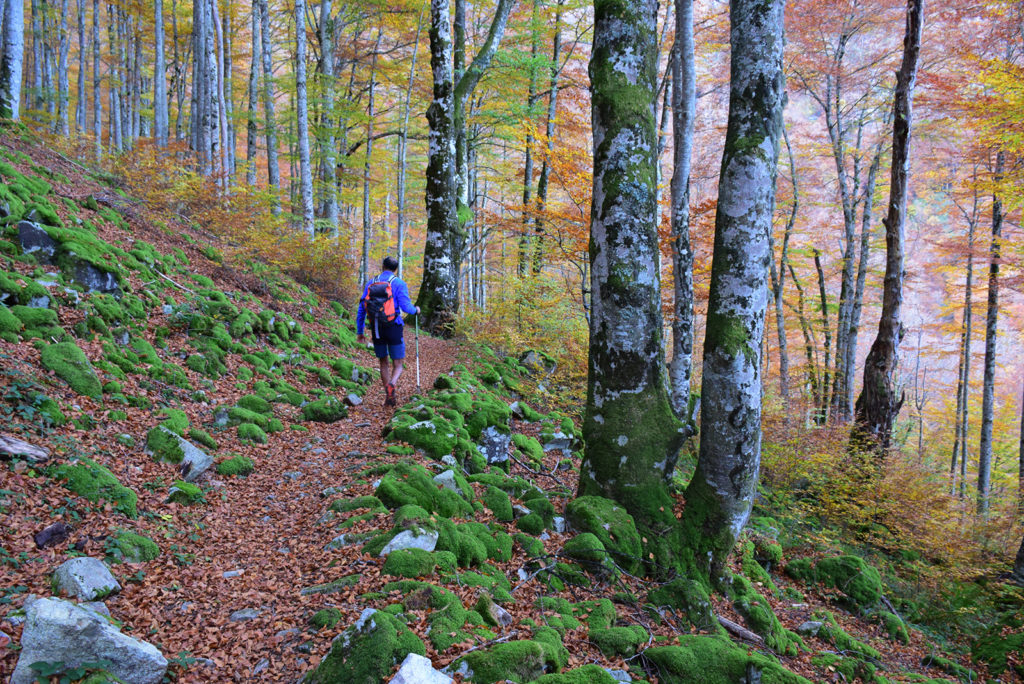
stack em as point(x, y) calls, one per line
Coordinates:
point(991, 328)
point(878, 404)
point(11, 59)
point(684, 111)
point(631, 434)
point(161, 118)
point(721, 493)
point(302, 119)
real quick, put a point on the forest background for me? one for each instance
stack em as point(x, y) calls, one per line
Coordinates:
point(308, 149)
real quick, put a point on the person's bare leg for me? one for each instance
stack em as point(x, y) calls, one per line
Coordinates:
point(385, 372)
point(396, 370)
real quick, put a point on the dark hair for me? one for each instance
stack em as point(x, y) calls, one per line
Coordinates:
point(390, 263)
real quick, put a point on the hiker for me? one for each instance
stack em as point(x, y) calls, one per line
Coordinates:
point(384, 299)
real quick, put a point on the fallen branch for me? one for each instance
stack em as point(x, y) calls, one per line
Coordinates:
point(173, 283)
point(740, 631)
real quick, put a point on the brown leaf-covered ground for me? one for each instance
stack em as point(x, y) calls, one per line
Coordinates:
point(259, 539)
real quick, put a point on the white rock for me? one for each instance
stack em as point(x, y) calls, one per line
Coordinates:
point(447, 480)
point(85, 578)
point(558, 524)
point(59, 631)
point(416, 669)
point(415, 538)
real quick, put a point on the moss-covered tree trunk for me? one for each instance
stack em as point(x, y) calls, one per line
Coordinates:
point(631, 433)
point(879, 402)
point(719, 498)
point(11, 59)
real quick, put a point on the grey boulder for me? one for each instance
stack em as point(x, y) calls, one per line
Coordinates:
point(415, 538)
point(85, 578)
point(59, 631)
point(35, 240)
point(416, 669)
point(494, 445)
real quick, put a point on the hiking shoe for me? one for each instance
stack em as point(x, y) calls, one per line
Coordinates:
point(390, 391)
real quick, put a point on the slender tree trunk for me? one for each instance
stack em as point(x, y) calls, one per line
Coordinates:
point(270, 125)
point(721, 493)
point(177, 75)
point(403, 143)
point(220, 56)
point(825, 384)
point(964, 370)
point(81, 124)
point(12, 53)
point(227, 91)
point(160, 112)
point(810, 346)
point(302, 119)
point(251, 129)
point(878, 405)
point(531, 98)
point(1020, 461)
point(114, 84)
point(63, 116)
point(991, 327)
point(97, 81)
point(1018, 565)
point(442, 256)
point(684, 111)
point(549, 132)
point(38, 100)
point(632, 437)
point(330, 191)
point(778, 278)
point(364, 264)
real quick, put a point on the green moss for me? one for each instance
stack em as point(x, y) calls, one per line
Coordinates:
point(326, 618)
point(70, 364)
point(529, 446)
point(619, 641)
point(859, 582)
point(531, 524)
point(348, 505)
point(714, 660)
point(893, 626)
point(185, 493)
point(237, 465)
point(128, 547)
point(611, 524)
point(409, 563)
point(445, 613)
point(367, 654)
point(954, 668)
point(832, 633)
point(247, 432)
point(1001, 646)
point(332, 587)
point(499, 503)
point(588, 674)
point(518, 661)
point(256, 404)
point(407, 483)
point(326, 410)
point(761, 618)
point(202, 437)
point(93, 482)
point(164, 445)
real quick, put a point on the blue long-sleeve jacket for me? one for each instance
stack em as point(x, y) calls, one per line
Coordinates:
point(400, 293)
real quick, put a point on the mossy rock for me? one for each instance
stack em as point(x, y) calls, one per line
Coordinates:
point(611, 524)
point(409, 563)
point(202, 437)
point(498, 502)
point(446, 614)
point(619, 641)
point(955, 669)
point(94, 482)
point(255, 403)
point(237, 465)
point(761, 618)
point(128, 547)
point(530, 447)
point(10, 325)
point(185, 493)
point(326, 618)
point(893, 625)
point(408, 483)
point(517, 661)
point(164, 445)
point(71, 365)
point(715, 660)
point(531, 524)
point(348, 505)
point(860, 583)
point(326, 410)
point(588, 674)
point(587, 550)
point(247, 432)
point(367, 651)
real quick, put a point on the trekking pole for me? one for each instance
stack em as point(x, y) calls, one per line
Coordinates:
point(417, 351)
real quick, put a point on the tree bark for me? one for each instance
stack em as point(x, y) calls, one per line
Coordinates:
point(251, 128)
point(721, 493)
point(442, 256)
point(825, 384)
point(964, 369)
point(330, 190)
point(63, 124)
point(81, 125)
point(11, 59)
point(778, 278)
point(270, 124)
point(810, 346)
point(97, 81)
point(684, 111)
point(161, 119)
point(549, 132)
point(991, 329)
point(302, 119)
point(878, 404)
point(632, 436)
point(403, 142)
point(364, 264)
point(525, 256)
point(1018, 565)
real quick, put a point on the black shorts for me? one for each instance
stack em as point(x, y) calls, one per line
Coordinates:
point(390, 342)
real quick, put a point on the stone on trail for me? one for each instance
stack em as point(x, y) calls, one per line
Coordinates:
point(353, 399)
point(415, 538)
point(244, 615)
point(59, 631)
point(417, 669)
point(85, 578)
point(810, 628)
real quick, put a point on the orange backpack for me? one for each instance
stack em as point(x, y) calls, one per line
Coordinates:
point(380, 302)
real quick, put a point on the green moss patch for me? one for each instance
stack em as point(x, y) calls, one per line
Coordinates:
point(367, 651)
point(93, 482)
point(611, 524)
point(236, 465)
point(860, 583)
point(326, 410)
point(128, 547)
point(703, 659)
point(70, 364)
point(185, 493)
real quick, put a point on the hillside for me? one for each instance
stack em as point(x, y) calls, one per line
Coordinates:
point(214, 436)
